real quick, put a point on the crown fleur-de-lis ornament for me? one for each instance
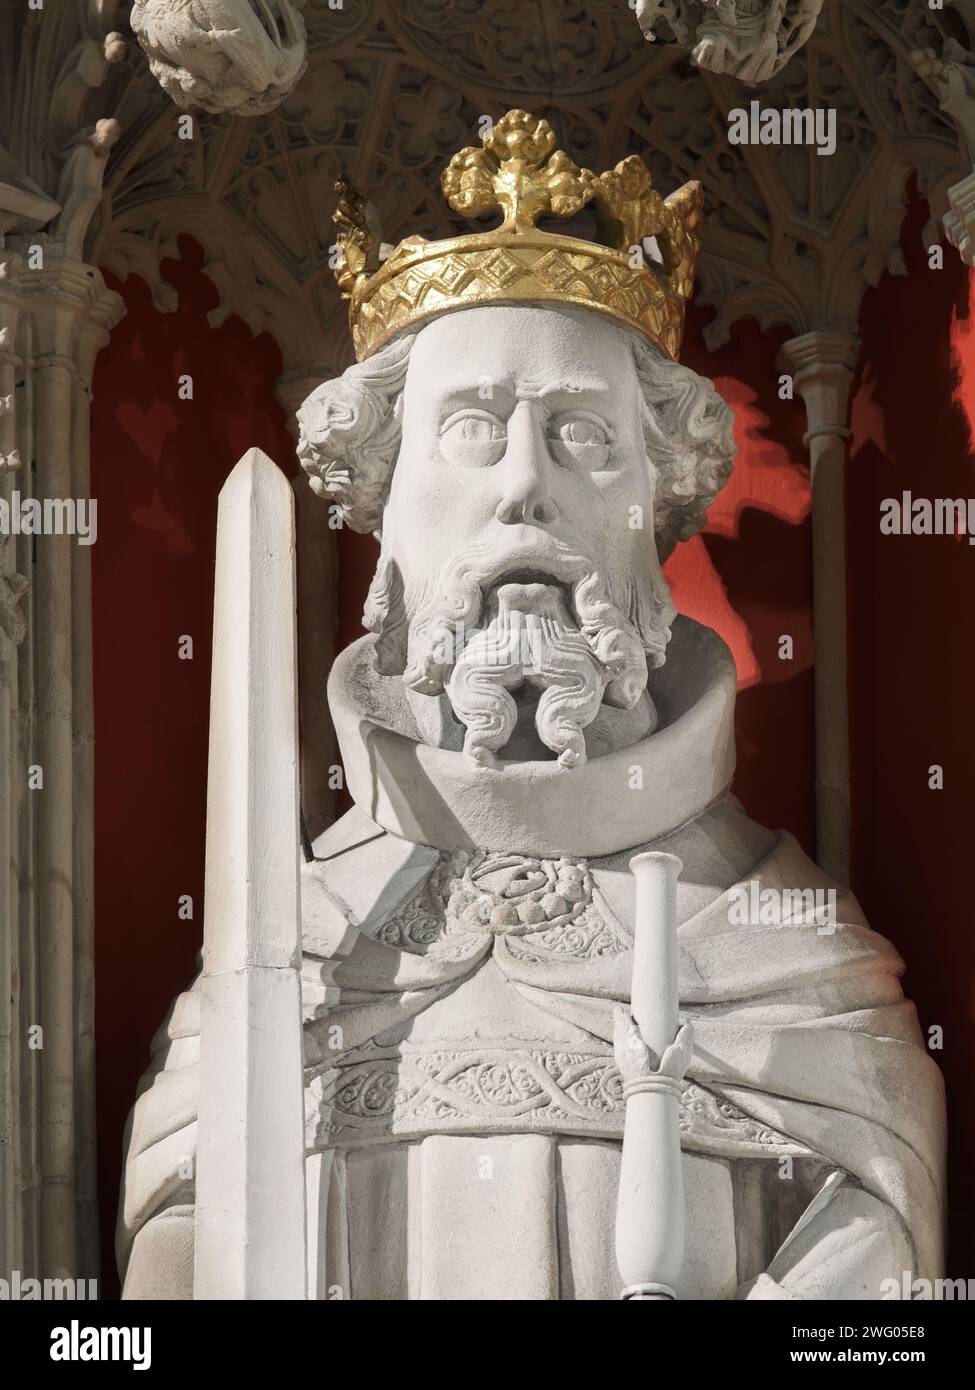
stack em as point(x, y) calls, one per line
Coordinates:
point(519, 172)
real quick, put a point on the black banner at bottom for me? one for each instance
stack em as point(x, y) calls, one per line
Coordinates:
point(171, 1338)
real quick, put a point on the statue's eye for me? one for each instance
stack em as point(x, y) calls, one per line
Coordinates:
point(581, 431)
point(473, 439)
point(579, 441)
point(475, 429)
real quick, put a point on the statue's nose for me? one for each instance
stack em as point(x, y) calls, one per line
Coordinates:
point(525, 470)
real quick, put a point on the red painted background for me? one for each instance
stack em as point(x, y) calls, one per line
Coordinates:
point(158, 464)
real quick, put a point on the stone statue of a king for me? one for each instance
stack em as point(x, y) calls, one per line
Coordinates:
point(527, 713)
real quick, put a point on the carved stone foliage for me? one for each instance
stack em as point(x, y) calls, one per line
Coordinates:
point(13, 586)
point(749, 39)
point(950, 74)
point(793, 237)
point(477, 1090)
point(240, 56)
point(944, 60)
point(13, 625)
point(58, 77)
point(542, 906)
point(394, 89)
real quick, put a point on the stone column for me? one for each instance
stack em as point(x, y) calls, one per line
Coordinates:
point(822, 365)
point(12, 631)
point(56, 312)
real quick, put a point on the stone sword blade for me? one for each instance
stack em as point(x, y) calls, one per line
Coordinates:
point(250, 1186)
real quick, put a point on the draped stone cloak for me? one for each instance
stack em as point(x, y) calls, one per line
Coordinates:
point(467, 938)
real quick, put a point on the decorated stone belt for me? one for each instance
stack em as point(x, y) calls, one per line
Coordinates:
point(374, 1099)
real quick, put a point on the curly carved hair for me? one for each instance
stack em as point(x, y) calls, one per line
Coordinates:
point(350, 436)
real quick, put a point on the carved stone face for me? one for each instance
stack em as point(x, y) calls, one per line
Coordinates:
point(521, 428)
point(521, 506)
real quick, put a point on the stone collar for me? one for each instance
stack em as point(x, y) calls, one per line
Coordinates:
point(437, 797)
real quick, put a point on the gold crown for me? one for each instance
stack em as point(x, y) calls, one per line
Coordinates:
point(520, 172)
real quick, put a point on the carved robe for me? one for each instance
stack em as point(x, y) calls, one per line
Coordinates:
point(467, 937)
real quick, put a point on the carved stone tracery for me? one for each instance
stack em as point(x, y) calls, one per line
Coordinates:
point(393, 90)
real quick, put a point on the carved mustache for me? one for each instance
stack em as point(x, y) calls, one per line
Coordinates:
point(444, 617)
point(461, 592)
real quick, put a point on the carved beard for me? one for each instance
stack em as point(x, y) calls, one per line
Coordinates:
point(545, 618)
point(530, 640)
